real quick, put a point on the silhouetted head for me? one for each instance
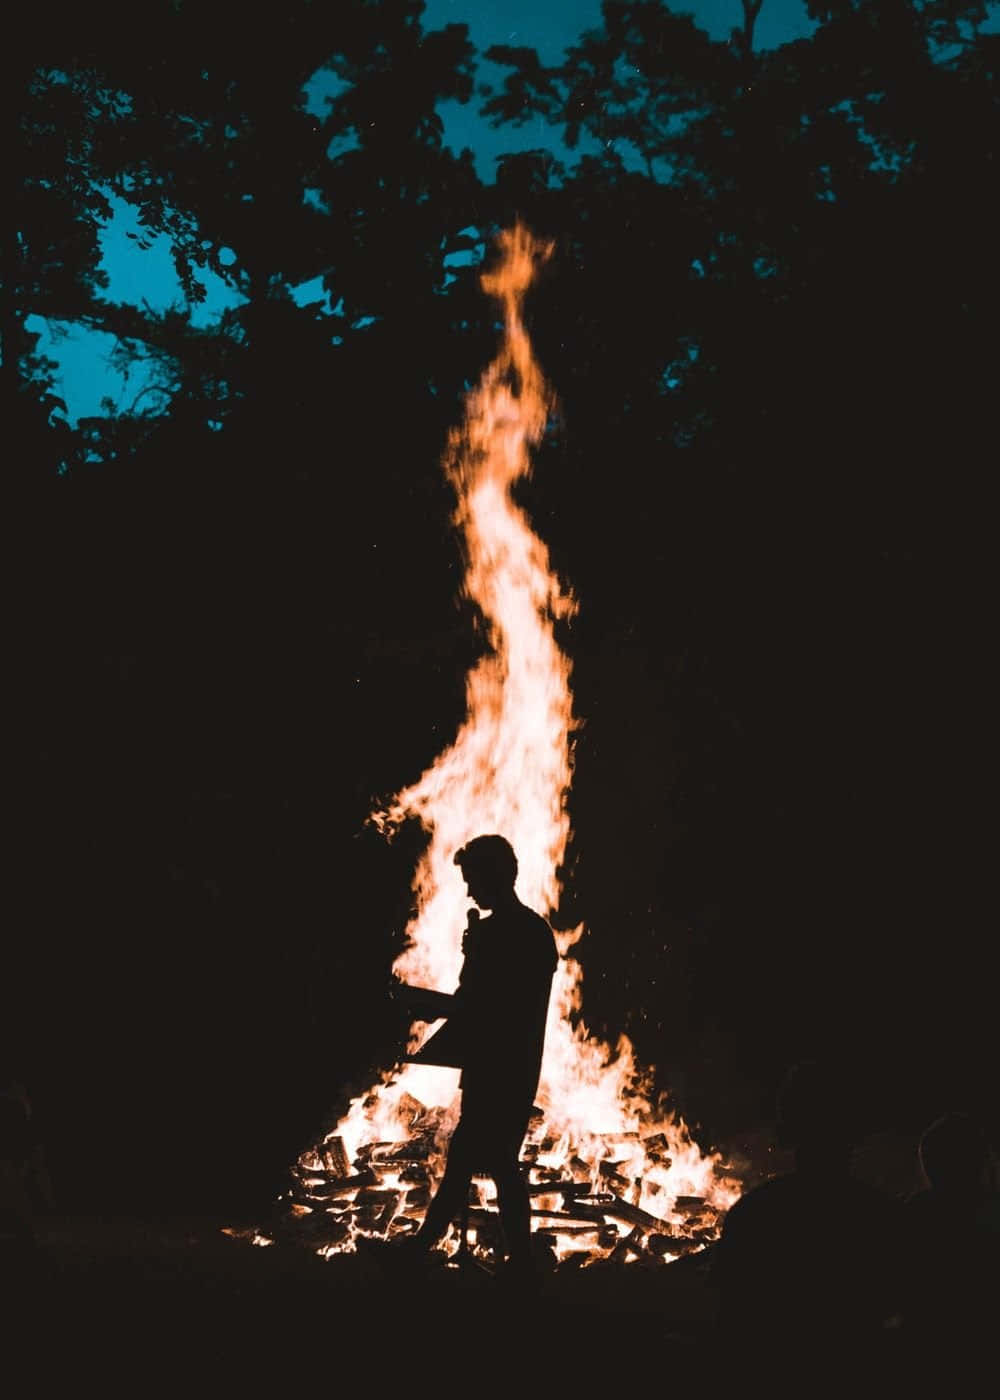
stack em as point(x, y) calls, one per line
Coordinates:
point(489, 866)
point(954, 1153)
point(816, 1115)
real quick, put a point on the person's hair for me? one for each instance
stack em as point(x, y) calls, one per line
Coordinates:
point(492, 856)
point(953, 1151)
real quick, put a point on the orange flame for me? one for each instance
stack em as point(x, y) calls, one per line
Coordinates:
point(509, 771)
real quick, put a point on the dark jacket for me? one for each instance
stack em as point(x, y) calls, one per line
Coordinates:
point(804, 1258)
point(495, 1031)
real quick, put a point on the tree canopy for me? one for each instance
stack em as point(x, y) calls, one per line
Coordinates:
point(768, 320)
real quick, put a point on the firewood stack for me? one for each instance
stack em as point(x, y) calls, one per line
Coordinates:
point(585, 1216)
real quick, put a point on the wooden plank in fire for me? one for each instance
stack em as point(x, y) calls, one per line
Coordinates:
point(553, 1238)
point(337, 1186)
point(595, 1221)
point(374, 1195)
point(315, 1175)
point(597, 1199)
point(385, 1216)
point(587, 1238)
point(299, 1198)
point(557, 1223)
point(680, 1245)
point(609, 1171)
point(548, 1173)
point(320, 1206)
point(658, 1149)
point(562, 1226)
point(576, 1189)
point(633, 1243)
point(659, 1244)
point(367, 1150)
point(306, 1196)
point(408, 1153)
point(635, 1215)
point(335, 1158)
point(556, 1188)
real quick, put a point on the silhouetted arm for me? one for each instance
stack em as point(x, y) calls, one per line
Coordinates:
point(422, 1003)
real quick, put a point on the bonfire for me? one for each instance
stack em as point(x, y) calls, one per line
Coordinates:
point(613, 1171)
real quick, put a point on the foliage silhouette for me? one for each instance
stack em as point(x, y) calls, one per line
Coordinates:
point(774, 277)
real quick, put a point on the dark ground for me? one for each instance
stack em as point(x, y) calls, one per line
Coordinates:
point(139, 1306)
point(172, 1299)
point(143, 1297)
point(146, 1301)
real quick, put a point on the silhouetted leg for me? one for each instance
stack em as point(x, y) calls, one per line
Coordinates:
point(451, 1194)
point(515, 1208)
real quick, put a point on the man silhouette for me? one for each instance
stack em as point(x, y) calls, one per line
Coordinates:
point(809, 1261)
point(953, 1273)
point(495, 1030)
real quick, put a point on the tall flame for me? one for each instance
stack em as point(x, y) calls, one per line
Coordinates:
point(509, 771)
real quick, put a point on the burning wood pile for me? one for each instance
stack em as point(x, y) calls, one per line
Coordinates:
point(581, 1215)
